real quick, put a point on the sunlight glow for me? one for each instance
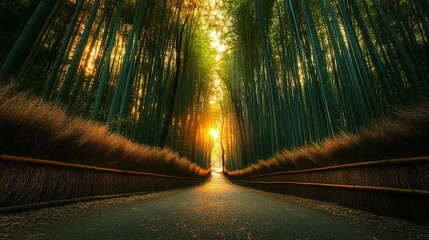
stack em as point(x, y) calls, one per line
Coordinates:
point(216, 42)
point(215, 134)
point(216, 156)
point(214, 23)
point(217, 92)
point(216, 26)
point(90, 65)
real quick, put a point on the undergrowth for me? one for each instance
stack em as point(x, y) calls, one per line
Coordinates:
point(30, 127)
point(404, 134)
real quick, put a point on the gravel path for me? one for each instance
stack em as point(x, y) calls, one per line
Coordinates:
point(214, 210)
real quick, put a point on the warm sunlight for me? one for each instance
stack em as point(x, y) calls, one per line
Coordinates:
point(216, 89)
point(216, 155)
point(215, 134)
point(214, 20)
point(91, 61)
point(216, 42)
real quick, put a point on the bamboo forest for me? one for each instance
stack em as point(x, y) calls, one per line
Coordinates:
point(261, 89)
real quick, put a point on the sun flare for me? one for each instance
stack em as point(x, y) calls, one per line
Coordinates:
point(214, 133)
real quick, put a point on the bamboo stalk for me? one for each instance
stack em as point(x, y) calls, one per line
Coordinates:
point(351, 165)
point(17, 159)
point(415, 192)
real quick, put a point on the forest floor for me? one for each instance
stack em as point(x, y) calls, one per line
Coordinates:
point(216, 209)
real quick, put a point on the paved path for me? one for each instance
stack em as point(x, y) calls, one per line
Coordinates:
point(214, 210)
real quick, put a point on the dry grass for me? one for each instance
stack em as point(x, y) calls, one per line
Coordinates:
point(32, 128)
point(404, 134)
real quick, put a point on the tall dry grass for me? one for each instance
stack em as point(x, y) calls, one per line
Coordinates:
point(32, 128)
point(404, 134)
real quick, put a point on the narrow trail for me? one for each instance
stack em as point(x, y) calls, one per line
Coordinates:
point(216, 209)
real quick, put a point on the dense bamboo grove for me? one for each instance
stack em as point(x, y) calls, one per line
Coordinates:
point(142, 67)
point(291, 73)
point(402, 135)
point(299, 72)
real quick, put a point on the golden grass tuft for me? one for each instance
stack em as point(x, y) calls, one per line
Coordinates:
point(30, 127)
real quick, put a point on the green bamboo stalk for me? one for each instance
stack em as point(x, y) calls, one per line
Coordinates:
point(62, 52)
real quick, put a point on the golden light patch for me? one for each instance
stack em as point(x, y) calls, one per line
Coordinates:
point(214, 133)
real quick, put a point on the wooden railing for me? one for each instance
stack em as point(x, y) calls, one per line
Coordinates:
point(353, 187)
point(346, 166)
point(30, 183)
point(414, 160)
point(26, 160)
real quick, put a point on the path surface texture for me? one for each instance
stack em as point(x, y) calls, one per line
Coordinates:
point(216, 209)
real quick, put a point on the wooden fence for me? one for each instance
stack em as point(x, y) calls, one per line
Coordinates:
point(394, 187)
point(28, 182)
